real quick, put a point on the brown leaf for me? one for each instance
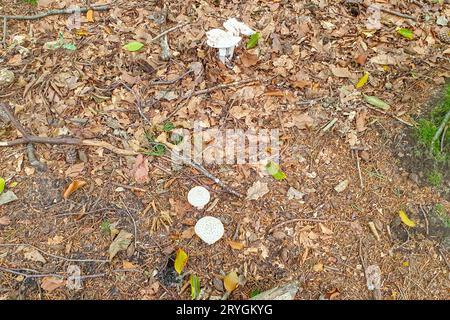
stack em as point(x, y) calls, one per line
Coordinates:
point(50, 284)
point(140, 169)
point(4, 221)
point(361, 121)
point(90, 15)
point(74, 186)
point(361, 59)
point(341, 72)
point(236, 245)
point(299, 120)
point(249, 59)
point(128, 265)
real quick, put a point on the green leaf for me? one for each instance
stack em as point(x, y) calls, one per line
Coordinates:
point(168, 126)
point(254, 293)
point(133, 46)
point(106, 227)
point(195, 287)
point(69, 46)
point(2, 184)
point(376, 102)
point(274, 170)
point(253, 40)
point(180, 260)
point(406, 33)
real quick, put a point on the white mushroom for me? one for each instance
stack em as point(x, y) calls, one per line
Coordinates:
point(198, 197)
point(209, 229)
point(224, 41)
point(236, 27)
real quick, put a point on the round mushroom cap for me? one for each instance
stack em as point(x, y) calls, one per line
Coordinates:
point(237, 27)
point(218, 38)
point(209, 229)
point(198, 196)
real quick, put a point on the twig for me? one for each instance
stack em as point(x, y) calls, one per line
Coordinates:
point(426, 219)
point(162, 34)
point(134, 224)
point(34, 162)
point(51, 255)
point(58, 11)
point(445, 259)
point(164, 40)
point(26, 275)
point(305, 220)
point(27, 138)
point(224, 86)
point(5, 30)
point(440, 130)
point(359, 171)
point(132, 188)
point(391, 115)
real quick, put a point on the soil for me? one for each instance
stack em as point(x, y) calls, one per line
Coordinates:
point(323, 241)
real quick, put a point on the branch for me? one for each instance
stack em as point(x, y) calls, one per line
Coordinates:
point(58, 11)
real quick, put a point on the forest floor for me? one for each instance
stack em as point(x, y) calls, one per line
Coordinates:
point(303, 70)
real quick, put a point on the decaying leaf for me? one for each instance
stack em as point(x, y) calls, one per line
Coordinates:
point(257, 190)
point(341, 186)
point(195, 286)
point(50, 284)
point(74, 186)
point(231, 281)
point(140, 169)
point(405, 219)
point(32, 254)
point(377, 102)
point(120, 243)
point(180, 260)
point(236, 245)
point(4, 221)
point(128, 265)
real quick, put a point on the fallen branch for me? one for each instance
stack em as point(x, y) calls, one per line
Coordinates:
point(26, 275)
point(162, 34)
point(57, 12)
point(27, 138)
point(440, 130)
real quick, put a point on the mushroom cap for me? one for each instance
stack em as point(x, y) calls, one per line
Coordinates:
point(198, 196)
point(237, 27)
point(209, 229)
point(218, 38)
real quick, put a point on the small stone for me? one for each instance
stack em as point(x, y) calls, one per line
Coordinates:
point(442, 21)
point(6, 77)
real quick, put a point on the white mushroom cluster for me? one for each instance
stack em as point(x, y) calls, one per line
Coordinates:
point(227, 40)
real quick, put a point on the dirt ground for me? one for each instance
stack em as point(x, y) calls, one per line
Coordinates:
point(307, 62)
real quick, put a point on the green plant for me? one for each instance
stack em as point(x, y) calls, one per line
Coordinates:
point(442, 214)
point(33, 2)
point(435, 178)
point(105, 227)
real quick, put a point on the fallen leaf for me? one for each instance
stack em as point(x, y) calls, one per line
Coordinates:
point(90, 15)
point(405, 219)
point(249, 59)
point(318, 267)
point(128, 265)
point(376, 102)
point(4, 221)
point(362, 81)
point(74, 186)
point(361, 59)
point(325, 230)
point(33, 255)
point(257, 190)
point(195, 286)
point(180, 260)
point(133, 46)
point(140, 169)
point(2, 184)
point(50, 284)
point(406, 33)
point(341, 72)
point(274, 170)
point(299, 120)
point(231, 281)
point(120, 243)
point(55, 240)
point(253, 40)
point(7, 197)
point(361, 121)
point(236, 245)
point(341, 186)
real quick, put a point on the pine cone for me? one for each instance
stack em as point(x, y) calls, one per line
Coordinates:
point(71, 155)
point(444, 35)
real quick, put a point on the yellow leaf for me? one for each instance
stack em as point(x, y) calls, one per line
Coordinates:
point(236, 245)
point(363, 80)
point(90, 16)
point(180, 260)
point(82, 33)
point(406, 220)
point(231, 281)
point(128, 265)
point(74, 186)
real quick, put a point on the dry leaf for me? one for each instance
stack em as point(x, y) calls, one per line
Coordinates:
point(325, 230)
point(4, 221)
point(257, 190)
point(74, 186)
point(236, 245)
point(120, 243)
point(90, 15)
point(50, 284)
point(140, 169)
point(33, 254)
point(231, 281)
point(55, 240)
point(318, 267)
point(128, 265)
point(341, 72)
point(299, 120)
point(361, 121)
